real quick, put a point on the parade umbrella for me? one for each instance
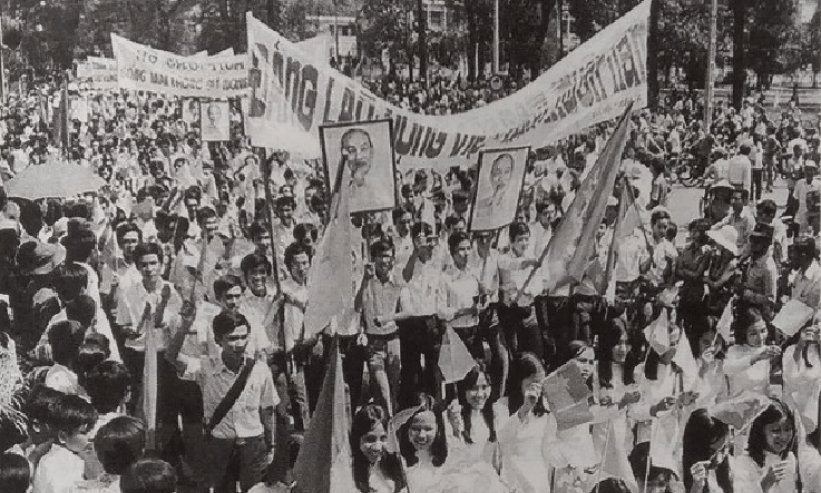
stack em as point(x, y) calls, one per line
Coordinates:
point(55, 180)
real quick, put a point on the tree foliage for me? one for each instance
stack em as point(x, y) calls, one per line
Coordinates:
point(387, 25)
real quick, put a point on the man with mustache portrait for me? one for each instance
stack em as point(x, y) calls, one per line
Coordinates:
point(358, 153)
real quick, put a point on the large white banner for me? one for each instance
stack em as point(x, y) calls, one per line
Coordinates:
point(292, 96)
point(97, 73)
point(141, 68)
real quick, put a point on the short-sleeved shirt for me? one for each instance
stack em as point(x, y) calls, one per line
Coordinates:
point(243, 420)
point(380, 298)
point(131, 303)
point(762, 277)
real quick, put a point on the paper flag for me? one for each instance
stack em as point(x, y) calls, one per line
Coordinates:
point(658, 333)
point(792, 317)
point(725, 323)
point(614, 460)
point(567, 394)
point(455, 361)
point(739, 412)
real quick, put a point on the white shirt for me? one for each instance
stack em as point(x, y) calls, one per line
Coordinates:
point(58, 471)
point(744, 375)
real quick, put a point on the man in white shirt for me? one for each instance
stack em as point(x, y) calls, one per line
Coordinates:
point(803, 195)
point(740, 169)
point(806, 286)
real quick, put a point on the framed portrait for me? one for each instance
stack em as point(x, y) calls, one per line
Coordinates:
point(215, 121)
point(190, 111)
point(500, 182)
point(367, 149)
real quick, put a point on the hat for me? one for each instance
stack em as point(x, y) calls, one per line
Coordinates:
point(762, 230)
point(612, 201)
point(809, 163)
point(726, 237)
point(36, 258)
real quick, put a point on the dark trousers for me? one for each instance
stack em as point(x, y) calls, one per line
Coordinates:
point(226, 462)
point(521, 330)
point(419, 337)
point(758, 177)
point(354, 357)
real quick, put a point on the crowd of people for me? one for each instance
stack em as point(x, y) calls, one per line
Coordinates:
point(204, 251)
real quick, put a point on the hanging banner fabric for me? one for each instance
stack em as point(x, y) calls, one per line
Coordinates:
point(292, 96)
point(141, 68)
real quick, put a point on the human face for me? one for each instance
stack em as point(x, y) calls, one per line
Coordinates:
point(191, 206)
point(811, 334)
point(149, 266)
point(129, 243)
point(620, 350)
point(256, 280)
point(358, 153)
point(372, 444)
point(233, 344)
point(501, 173)
point(586, 361)
point(229, 301)
point(756, 334)
point(285, 213)
point(383, 263)
point(705, 342)
point(422, 430)
point(660, 228)
point(478, 395)
point(520, 244)
point(461, 253)
point(424, 246)
point(263, 243)
point(547, 216)
point(737, 202)
point(778, 436)
point(299, 267)
point(809, 173)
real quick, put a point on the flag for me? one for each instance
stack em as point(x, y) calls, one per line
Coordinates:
point(325, 455)
point(739, 412)
point(614, 462)
point(664, 442)
point(626, 222)
point(398, 420)
point(330, 279)
point(792, 317)
point(455, 361)
point(725, 323)
point(658, 333)
point(567, 255)
point(567, 394)
point(60, 123)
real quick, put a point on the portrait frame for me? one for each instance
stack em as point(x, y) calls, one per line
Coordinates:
point(220, 131)
point(190, 112)
point(492, 211)
point(374, 195)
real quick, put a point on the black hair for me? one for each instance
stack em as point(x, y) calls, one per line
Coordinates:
point(381, 247)
point(40, 404)
point(82, 309)
point(69, 280)
point(455, 239)
point(89, 355)
point(517, 229)
point(609, 339)
point(226, 283)
point(527, 365)
point(421, 229)
point(15, 473)
point(144, 249)
point(757, 441)
point(226, 322)
point(72, 413)
point(149, 476)
point(125, 228)
point(285, 202)
point(119, 443)
point(65, 339)
point(256, 229)
point(746, 319)
point(463, 386)
point(107, 385)
point(700, 433)
point(658, 215)
point(254, 260)
point(302, 230)
point(439, 447)
point(294, 249)
point(639, 458)
point(611, 485)
point(364, 421)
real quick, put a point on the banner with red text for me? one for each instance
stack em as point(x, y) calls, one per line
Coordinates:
point(292, 96)
point(142, 68)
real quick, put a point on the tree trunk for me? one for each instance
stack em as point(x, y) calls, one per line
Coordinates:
point(473, 37)
point(739, 65)
point(539, 35)
point(653, 55)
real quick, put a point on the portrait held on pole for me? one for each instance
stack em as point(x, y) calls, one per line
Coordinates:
point(215, 121)
point(190, 111)
point(367, 149)
point(501, 176)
